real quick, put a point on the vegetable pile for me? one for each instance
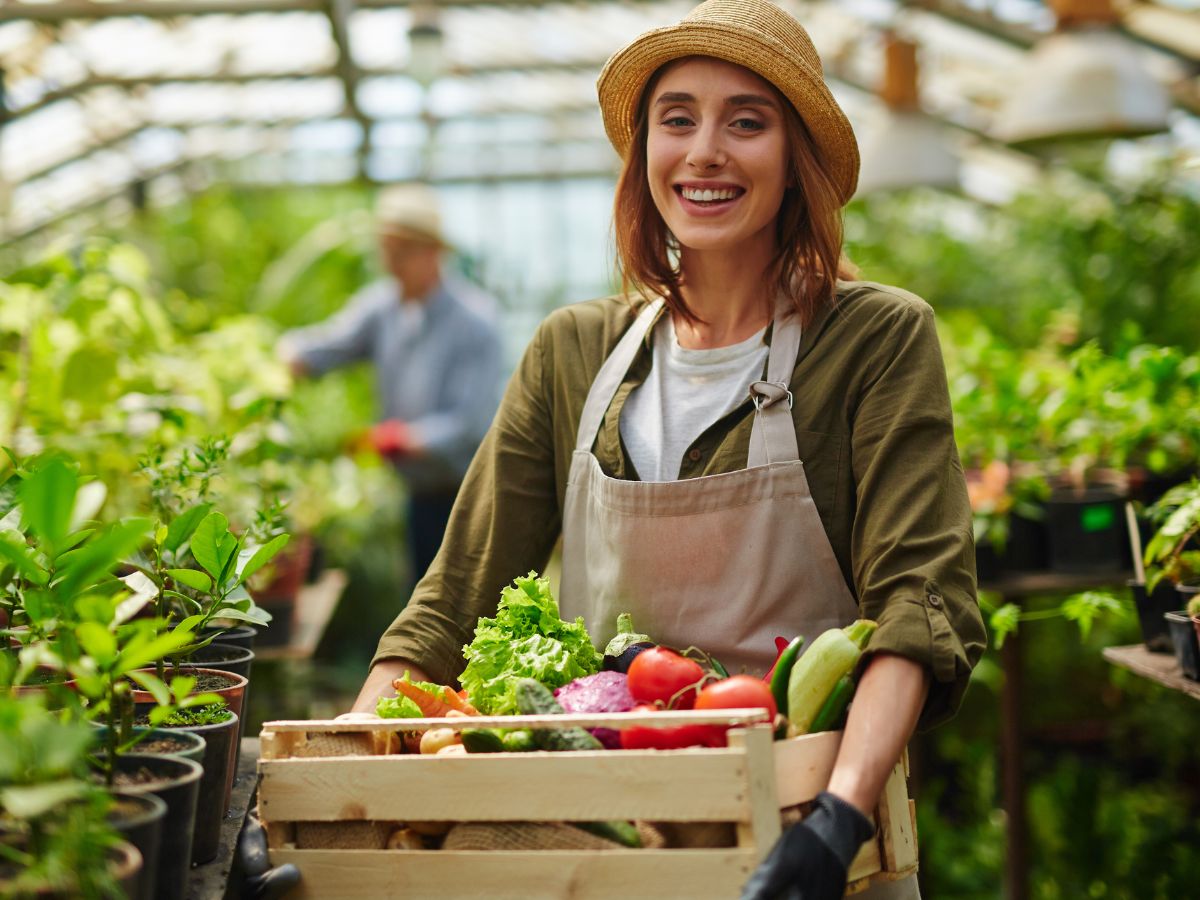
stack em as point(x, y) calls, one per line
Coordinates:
point(526, 639)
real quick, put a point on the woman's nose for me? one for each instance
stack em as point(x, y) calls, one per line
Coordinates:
point(706, 152)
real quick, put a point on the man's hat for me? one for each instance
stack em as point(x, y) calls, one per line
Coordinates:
point(751, 33)
point(409, 210)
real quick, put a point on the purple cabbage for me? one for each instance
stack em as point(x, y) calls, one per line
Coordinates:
point(603, 692)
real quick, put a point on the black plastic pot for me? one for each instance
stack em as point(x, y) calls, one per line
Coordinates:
point(191, 746)
point(138, 819)
point(1183, 637)
point(1150, 609)
point(216, 785)
point(1024, 551)
point(1087, 531)
point(239, 635)
point(229, 658)
point(178, 786)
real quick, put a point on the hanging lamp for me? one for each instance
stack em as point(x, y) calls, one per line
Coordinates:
point(1086, 80)
point(908, 148)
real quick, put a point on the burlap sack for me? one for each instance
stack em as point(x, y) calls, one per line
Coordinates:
point(537, 836)
point(343, 835)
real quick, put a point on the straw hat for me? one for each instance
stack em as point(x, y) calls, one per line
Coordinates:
point(751, 33)
point(409, 210)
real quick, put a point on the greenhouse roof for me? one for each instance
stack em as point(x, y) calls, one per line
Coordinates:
point(106, 100)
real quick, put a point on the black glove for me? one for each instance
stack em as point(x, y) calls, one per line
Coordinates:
point(810, 860)
point(252, 877)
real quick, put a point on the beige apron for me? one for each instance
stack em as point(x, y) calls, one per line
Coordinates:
point(726, 562)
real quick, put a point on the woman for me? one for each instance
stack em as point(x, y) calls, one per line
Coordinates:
point(760, 450)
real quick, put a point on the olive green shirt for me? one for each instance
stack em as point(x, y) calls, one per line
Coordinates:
point(874, 429)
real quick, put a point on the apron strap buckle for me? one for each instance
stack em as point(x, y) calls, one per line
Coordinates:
point(768, 393)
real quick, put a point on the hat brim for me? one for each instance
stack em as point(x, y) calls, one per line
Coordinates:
point(625, 75)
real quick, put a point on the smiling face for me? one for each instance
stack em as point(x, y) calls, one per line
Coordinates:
point(716, 155)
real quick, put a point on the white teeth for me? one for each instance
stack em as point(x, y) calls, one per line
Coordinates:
point(707, 195)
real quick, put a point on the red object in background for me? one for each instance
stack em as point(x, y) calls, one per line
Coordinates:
point(390, 438)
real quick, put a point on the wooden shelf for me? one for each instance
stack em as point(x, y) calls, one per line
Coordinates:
point(1026, 584)
point(315, 605)
point(210, 880)
point(1160, 667)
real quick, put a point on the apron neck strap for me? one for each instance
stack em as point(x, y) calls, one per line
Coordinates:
point(773, 436)
point(611, 374)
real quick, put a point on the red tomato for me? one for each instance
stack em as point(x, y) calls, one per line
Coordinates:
point(737, 692)
point(646, 738)
point(658, 674)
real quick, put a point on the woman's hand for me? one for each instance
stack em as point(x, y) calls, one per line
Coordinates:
point(810, 860)
point(379, 683)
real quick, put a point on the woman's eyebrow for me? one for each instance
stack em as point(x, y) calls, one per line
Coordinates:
point(735, 100)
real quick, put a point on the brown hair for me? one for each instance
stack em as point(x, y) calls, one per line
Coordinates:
point(809, 258)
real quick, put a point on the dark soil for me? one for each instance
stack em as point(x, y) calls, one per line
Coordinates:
point(160, 745)
point(204, 681)
point(142, 776)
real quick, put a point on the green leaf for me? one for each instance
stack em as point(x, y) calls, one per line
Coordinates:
point(182, 527)
point(255, 615)
point(1085, 608)
point(36, 800)
point(22, 557)
point(154, 684)
point(88, 500)
point(260, 557)
point(1004, 621)
point(47, 499)
point(192, 578)
point(181, 687)
point(190, 623)
point(142, 653)
point(212, 544)
point(101, 556)
point(206, 699)
point(98, 642)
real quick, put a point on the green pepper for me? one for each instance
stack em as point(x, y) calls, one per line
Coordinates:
point(782, 671)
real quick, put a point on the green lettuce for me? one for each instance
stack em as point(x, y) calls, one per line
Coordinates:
point(526, 639)
point(400, 707)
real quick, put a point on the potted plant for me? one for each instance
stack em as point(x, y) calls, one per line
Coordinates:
point(1173, 556)
point(55, 837)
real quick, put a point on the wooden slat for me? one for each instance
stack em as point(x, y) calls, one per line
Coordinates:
point(664, 719)
point(524, 875)
point(896, 834)
point(866, 863)
point(762, 829)
point(700, 785)
point(803, 766)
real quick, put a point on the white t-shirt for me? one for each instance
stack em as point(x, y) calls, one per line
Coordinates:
point(685, 393)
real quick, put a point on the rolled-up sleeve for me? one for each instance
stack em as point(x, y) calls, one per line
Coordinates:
point(343, 338)
point(912, 547)
point(504, 523)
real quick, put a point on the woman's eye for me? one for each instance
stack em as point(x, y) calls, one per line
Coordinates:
point(677, 121)
point(748, 125)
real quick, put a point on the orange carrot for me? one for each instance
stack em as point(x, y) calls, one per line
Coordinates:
point(457, 701)
point(431, 705)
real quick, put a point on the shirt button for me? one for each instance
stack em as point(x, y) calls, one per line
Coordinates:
point(694, 454)
point(935, 601)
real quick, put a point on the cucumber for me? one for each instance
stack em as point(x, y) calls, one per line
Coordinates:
point(482, 740)
point(535, 699)
point(783, 669)
point(617, 831)
point(832, 714)
point(832, 655)
point(519, 740)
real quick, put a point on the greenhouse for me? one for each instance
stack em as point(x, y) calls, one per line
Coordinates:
point(740, 448)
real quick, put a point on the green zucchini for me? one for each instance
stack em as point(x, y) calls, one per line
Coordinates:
point(833, 712)
point(617, 831)
point(783, 668)
point(814, 675)
point(482, 740)
point(535, 699)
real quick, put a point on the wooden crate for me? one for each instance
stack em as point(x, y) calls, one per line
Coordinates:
point(318, 773)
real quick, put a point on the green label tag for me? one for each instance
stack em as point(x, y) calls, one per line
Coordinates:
point(1097, 518)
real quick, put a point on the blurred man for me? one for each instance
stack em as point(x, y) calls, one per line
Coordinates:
point(436, 352)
